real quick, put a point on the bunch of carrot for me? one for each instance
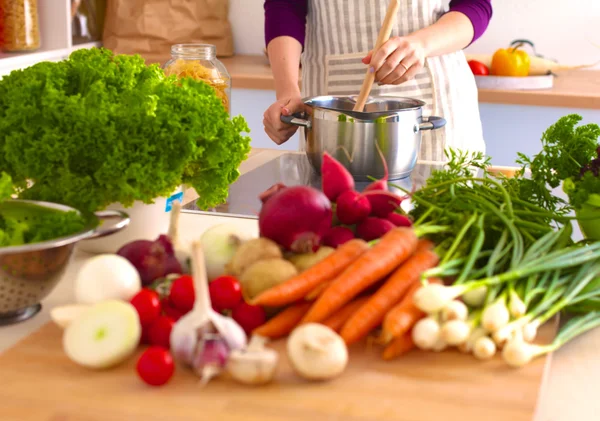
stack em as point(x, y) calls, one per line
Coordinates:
point(357, 289)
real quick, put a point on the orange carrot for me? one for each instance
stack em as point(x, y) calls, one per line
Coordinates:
point(284, 322)
point(399, 346)
point(400, 319)
point(337, 320)
point(380, 260)
point(372, 313)
point(316, 293)
point(299, 286)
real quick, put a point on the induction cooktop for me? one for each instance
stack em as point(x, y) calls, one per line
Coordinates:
point(291, 169)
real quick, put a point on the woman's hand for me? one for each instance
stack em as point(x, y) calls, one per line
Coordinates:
point(278, 131)
point(397, 61)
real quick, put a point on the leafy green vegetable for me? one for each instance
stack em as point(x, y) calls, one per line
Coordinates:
point(569, 152)
point(26, 223)
point(100, 128)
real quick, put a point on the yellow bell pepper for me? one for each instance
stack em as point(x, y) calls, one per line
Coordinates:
point(510, 62)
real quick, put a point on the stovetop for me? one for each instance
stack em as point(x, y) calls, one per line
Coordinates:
point(290, 169)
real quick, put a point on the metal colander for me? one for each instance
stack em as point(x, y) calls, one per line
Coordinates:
point(30, 272)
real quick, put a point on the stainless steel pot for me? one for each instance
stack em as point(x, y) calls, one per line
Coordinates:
point(28, 273)
point(392, 124)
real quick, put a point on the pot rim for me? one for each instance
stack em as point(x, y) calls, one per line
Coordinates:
point(419, 104)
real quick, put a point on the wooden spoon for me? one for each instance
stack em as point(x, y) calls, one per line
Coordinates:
point(384, 35)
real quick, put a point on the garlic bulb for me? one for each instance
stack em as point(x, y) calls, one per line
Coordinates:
point(316, 352)
point(190, 333)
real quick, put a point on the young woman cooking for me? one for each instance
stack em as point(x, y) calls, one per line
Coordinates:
point(423, 59)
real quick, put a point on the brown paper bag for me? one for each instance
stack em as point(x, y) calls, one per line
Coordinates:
point(151, 27)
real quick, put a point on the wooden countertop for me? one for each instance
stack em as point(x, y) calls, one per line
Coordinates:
point(573, 89)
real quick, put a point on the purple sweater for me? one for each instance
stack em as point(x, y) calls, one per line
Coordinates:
point(288, 17)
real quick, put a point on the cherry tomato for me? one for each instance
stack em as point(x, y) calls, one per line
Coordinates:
point(182, 294)
point(147, 304)
point(169, 310)
point(155, 366)
point(478, 68)
point(225, 293)
point(249, 317)
point(159, 333)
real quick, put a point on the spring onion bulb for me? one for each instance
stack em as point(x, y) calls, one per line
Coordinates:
point(507, 331)
point(455, 332)
point(476, 296)
point(516, 306)
point(455, 310)
point(439, 345)
point(475, 334)
point(517, 352)
point(432, 298)
point(484, 348)
point(495, 316)
point(530, 330)
point(425, 333)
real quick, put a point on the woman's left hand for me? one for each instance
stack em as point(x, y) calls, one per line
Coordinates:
point(398, 60)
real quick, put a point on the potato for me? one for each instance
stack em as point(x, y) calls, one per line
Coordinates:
point(251, 252)
point(265, 274)
point(306, 260)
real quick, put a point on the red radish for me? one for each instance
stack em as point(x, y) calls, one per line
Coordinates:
point(373, 228)
point(399, 220)
point(381, 184)
point(352, 207)
point(335, 178)
point(336, 236)
point(266, 195)
point(383, 202)
point(296, 218)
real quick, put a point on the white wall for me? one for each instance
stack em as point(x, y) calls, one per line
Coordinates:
point(561, 29)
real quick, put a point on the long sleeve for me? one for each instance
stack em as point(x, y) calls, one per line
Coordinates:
point(479, 13)
point(285, 18)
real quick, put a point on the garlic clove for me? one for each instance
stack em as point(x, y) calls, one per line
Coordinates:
point(256, 365)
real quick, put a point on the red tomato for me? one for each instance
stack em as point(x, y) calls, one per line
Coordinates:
point(478, 68)
point(249, 317)
point(225, 293)
point(159, 333)
point(155, 366)
point(169, 310)
point(182, 294)
point(147, 304)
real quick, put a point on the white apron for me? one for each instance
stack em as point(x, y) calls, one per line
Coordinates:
point(339, 33)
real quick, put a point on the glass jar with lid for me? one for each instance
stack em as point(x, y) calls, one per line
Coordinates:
point(199, 61)
point(21, 25)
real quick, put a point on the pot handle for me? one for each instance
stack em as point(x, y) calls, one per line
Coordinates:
point(295, 120)
point(123, 221)
point(433, 123)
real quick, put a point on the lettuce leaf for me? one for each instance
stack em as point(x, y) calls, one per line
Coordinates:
point(100, 128)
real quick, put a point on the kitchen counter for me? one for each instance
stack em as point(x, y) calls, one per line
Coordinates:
point(569, 392)
point(572, 89)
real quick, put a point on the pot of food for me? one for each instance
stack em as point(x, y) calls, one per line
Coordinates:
point(392, 125)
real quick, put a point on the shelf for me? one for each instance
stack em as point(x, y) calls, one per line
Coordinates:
point(14, 61)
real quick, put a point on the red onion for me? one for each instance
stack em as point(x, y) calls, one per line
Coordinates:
point(152, 259)
point(296, 218)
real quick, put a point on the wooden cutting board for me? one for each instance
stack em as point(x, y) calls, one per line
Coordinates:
point(39, 383)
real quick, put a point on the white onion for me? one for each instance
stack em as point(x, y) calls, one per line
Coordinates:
point(106, 277)
point(219, 244)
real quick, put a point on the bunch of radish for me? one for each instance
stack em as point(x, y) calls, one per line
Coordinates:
point(302, 218)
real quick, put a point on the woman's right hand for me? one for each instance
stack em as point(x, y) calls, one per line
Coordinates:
point(277, 130)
